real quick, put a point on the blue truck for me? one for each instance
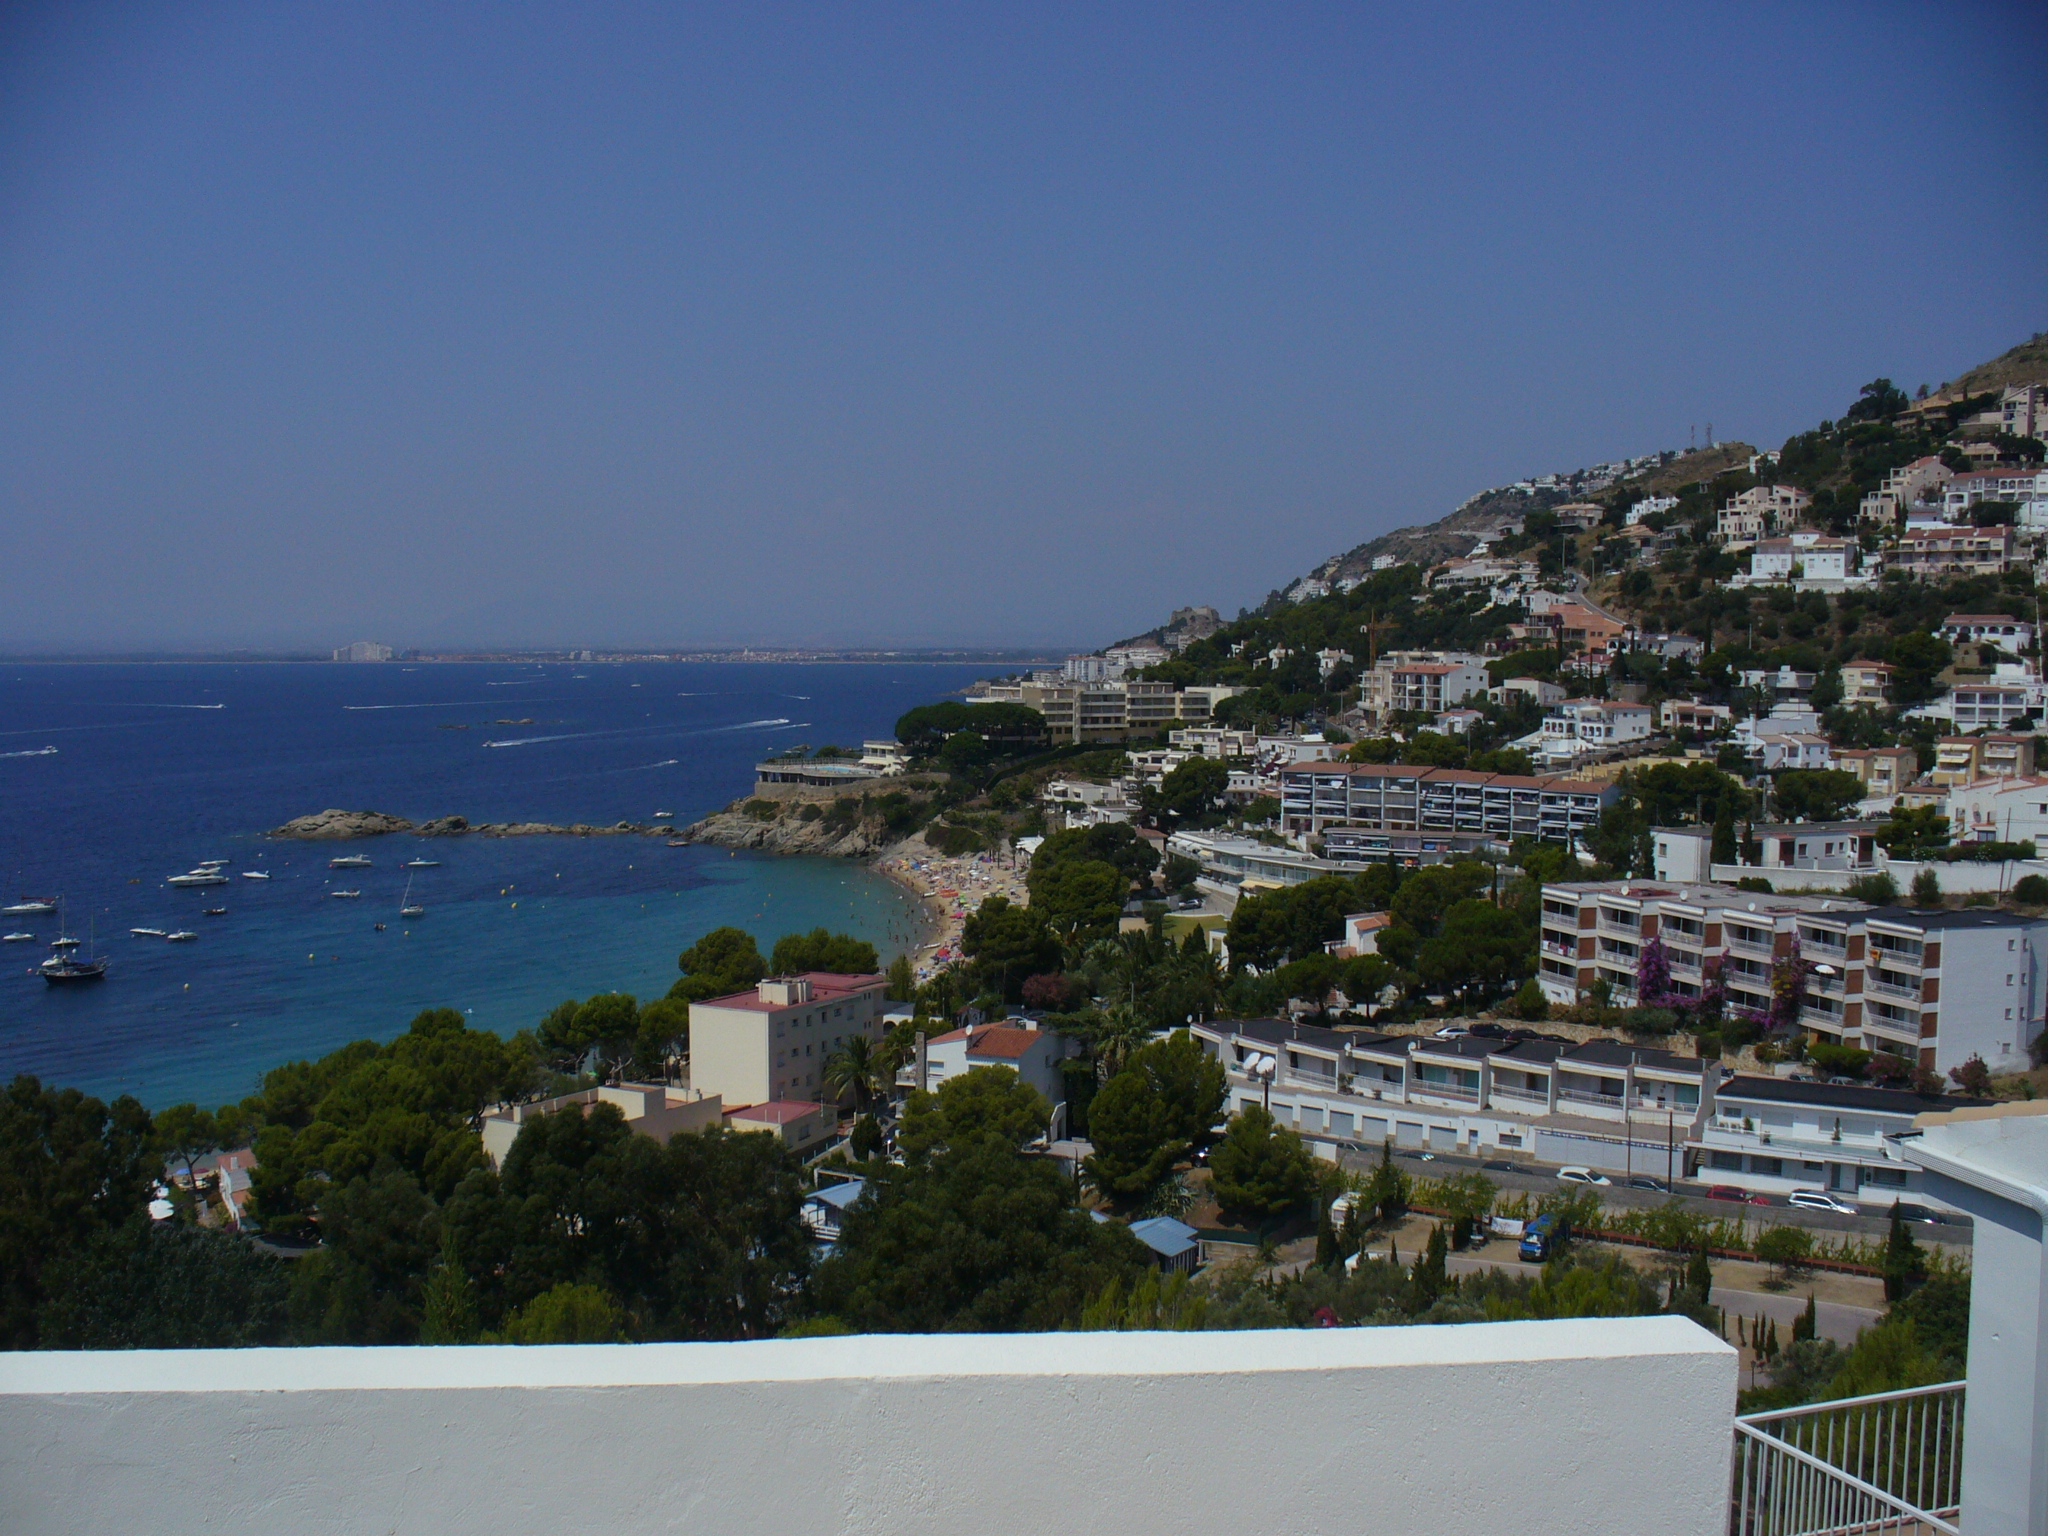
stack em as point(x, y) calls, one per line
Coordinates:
point(1544, 1236)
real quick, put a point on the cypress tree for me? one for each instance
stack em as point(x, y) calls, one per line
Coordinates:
point(1699, 1275)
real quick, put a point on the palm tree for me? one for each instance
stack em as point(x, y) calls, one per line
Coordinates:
point(1118, 1037)
point(857, 1067)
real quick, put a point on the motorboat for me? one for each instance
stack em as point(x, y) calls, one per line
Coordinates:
point(63, 943)
point(198, 877)
point(216, 911)
point(182, 936)
point(254, 874)
point(213, 863)
point(350, 861)
point(149, 933)
point(664, 815)
point(17, 938)
point(29, 907)
point(421, 864)
point(345, 895)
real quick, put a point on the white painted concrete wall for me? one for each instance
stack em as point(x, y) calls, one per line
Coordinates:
point(1607, 1425)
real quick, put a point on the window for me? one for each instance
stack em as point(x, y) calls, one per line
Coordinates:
point(1893, 1178)
point(1731, 1162)
point(1769, 1167)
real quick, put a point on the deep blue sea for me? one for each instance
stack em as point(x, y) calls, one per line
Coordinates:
point(159, 767)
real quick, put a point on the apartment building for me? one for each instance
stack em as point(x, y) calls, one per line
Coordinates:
point(1483, 571)
point(2019, 486)
point(1762, 510)
point(1926, 552)
point(1918, 484)
point(1691, 715)
point(2000, 810)
point(1885, 771)
point(1034, 1054)
point(1604, 1103)
point(2023, 410)
point(655, 1110)
point(1819, 559)
point(1578, 726)
point(2007, 697)
point(1867, 684)
point(1112, 711)
point(1511, 689)
point(771, 1043)
point(1428, 682)
point(1933, 987)
point(1966, 759)
point(1649, 507)
point(1999, 629)
point(1773, 1135)
point(1396, 797)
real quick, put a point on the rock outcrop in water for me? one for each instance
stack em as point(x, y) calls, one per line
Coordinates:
point(338, 826)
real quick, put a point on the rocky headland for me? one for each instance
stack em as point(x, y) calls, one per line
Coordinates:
point(738, 826)
point(342, 826)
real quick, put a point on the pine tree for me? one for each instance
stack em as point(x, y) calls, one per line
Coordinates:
point(1905, 1266)
point(1327, 1256)
point(1771, 1348)
point(1807, 1324)
point(1742, 1330)
point(1724, 850)
point(448, 1305)
point(1699, 1276)
point(1428, 1280)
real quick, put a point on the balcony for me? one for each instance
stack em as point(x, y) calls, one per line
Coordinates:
point(1519, 1095)
point(1766, 946)
point(1888, 1463)
point(1582, 1096)
point(1904, 988)
point(982, 1433)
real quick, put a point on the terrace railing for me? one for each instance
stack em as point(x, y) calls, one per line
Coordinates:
point(1890, 1464)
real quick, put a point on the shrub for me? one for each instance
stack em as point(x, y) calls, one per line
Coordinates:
point(2031, 890)
point(1754, 883)
point(763, 810)
point(1927, 888)
point(1881, 890)
point(1531, 1004)
point(1973, 1077)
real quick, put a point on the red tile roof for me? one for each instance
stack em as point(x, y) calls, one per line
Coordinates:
point(826, 987)
point(1005, 1043)
point(782, 1112)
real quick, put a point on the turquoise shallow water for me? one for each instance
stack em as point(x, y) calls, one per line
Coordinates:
point(144, 785)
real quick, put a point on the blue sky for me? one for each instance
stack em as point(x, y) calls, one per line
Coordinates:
point(614, 324)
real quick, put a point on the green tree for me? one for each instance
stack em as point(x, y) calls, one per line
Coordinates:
point(1153, 1114)
point(857, 1068)
point(1191, 796)
point(664, 1033)
point(1428, 1281)
point(975, 1240)
point(568, 1313)
point(1785, 1249)
point(366, 1283)
point(902, 980)
point(1927, 888)
point(448, 1302)
point(1905, 1266)
point(838, 954)
point(1914, 832)
point(986, 1104)
point(1815, 794)
point(1260, 1169)
point(1530, 1003)
point(184, 1134)
point(610, 1024)
point(724, 961)
point(1387, 1190)
point(1009, 943)
point(1079, 897)
point(165, 1286)
point(1479, 948)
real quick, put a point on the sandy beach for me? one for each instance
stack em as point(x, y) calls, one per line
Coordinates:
point(951, 889)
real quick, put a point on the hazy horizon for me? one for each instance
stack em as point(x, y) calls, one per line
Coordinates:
point(678, 327)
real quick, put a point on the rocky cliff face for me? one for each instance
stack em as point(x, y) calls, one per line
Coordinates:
point(788, 832)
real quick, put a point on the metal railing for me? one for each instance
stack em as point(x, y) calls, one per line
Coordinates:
point(1890, 1464)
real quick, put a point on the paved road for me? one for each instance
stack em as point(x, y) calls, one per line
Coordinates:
point(1874, 1223)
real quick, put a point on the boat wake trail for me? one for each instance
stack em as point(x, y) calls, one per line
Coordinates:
point(38, 752)
point(450, 704)
point(716, 730)
point(119, 704)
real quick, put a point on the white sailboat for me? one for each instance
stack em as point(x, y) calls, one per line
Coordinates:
point(405, 906)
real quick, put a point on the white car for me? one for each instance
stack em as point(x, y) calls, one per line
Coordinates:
point(1819, 1200)
point(1581, 1176)
point(1451, 1032)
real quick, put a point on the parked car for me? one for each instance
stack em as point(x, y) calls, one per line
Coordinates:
point(1921, 1213)
point(1819, 1200)
point(1490, 1031)
point(1451, 1032)
point(1727, 1192)
point(1581, 1176)
point(1644, 1181)
point(1501, 1165)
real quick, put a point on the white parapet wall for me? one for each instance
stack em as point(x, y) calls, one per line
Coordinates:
point(1597, 1425)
